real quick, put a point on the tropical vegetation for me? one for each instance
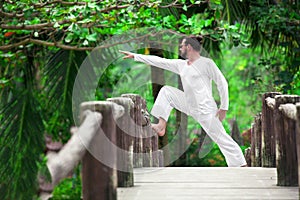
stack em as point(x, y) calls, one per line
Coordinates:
point(43, 43)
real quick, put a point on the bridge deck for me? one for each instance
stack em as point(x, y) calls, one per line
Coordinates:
point(197, 183)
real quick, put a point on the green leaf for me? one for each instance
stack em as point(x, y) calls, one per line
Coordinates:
point(92, 37)
point(69, 37)
point(3, 81)
point(218, 14)
point(184, 8)
point(208, 22)
point(56, 25)
point(218, 2)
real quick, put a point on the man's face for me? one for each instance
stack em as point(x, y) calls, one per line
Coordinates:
point(182, 49)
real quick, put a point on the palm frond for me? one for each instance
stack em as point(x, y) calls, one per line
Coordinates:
point(21, 144)
point(21, 130)
point(235, 11)
point(60, 73)
point(170, 10)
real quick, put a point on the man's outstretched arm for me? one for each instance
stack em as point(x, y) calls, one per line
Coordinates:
point(167, 64)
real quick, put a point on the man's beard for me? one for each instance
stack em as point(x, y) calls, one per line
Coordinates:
point(183, 54)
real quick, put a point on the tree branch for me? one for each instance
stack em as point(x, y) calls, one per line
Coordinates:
point(51, 24)
point(11, 46)
point(169, 5)
point(29, 27)
point(59, 45)
point(41, 5)
point(75, 48)
point(44, 43)
point(11, 15)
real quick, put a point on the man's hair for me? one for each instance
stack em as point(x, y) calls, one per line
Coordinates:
point(195, 42)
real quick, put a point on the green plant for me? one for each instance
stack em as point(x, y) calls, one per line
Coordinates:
point(69, 188)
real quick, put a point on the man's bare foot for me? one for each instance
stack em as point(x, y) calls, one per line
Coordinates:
point(159, 129)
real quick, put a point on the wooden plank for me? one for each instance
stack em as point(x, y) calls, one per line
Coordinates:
point(194, 183)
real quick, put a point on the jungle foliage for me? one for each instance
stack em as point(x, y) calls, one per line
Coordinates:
point(43, 44)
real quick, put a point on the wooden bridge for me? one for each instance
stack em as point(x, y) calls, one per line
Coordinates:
point(118, 165)
point(196, 183)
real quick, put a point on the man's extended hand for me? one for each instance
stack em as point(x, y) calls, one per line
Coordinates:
point(221, 114)
point(127, 54)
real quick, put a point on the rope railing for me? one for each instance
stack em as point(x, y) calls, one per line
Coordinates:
point(62, 163)
point(114, 137)
point(275, 137)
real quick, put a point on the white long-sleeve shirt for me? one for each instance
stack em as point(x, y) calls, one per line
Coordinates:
point(196, 81)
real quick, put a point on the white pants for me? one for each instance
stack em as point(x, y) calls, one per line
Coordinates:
point(170, 97)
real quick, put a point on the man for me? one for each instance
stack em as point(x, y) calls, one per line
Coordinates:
point(196, 100)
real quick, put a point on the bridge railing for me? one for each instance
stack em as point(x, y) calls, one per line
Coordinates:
point(275, 137)
point(114, 137)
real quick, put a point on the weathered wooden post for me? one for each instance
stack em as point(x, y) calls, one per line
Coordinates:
point(256, 142)
point(147, 146)
point(156, 153)
point(235, 132)
point(298, 140)
point(286, 156)
point(248, 156)
point(125, 132)
point(138, 136)
point(99, 177)
point(149, 137)
point(268, 132)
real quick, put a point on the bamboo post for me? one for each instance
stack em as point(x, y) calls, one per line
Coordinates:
point(125, 131)
point(99, 177)
point(268, 132)
point(138, 137)
point(286, 157)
